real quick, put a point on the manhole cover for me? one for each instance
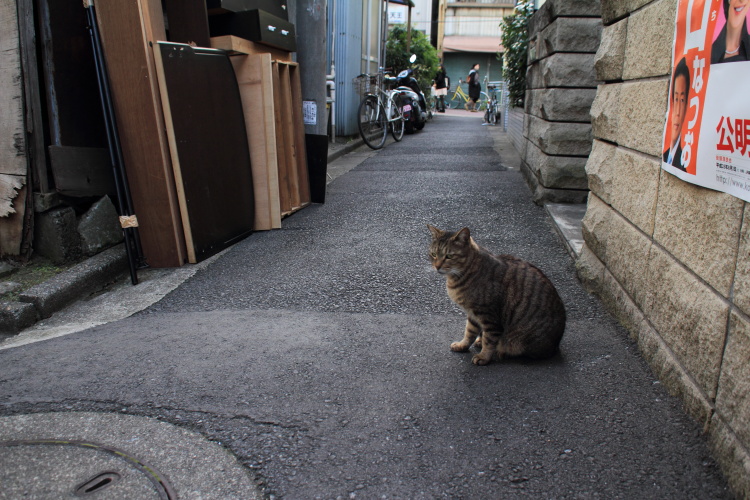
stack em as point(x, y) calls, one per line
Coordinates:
point(76, 469)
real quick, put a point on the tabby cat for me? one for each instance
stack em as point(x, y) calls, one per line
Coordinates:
point(513, 309)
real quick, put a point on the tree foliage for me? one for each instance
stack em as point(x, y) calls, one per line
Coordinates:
point(515, 40)
point(397, 58)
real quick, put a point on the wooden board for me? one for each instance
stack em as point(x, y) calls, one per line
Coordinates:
point(13, 193)
point(188, 22)
point(32, 99)
point(287, 125)
point(13, 162)
point(303, 177)
point(285, 197)
point(256, 91)
point(127, 27)
point(236, 45)
point(82, 171)
point(208, 142)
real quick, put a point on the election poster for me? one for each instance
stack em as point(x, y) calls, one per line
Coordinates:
point(707, 132)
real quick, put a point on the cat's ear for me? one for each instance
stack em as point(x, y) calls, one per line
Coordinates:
point(436, 233)
point(463, 236)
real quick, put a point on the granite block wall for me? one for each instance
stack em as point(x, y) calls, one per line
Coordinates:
point(669, 259)
point(561, 84)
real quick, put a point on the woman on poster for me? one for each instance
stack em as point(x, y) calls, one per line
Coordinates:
point(733, 42)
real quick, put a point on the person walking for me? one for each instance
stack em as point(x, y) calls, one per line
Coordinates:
point(475, 88)
point(441, 88)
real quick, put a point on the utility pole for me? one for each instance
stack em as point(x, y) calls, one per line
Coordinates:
point(309, 19)
point(441, 28)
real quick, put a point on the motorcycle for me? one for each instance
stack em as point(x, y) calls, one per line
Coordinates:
point(410, 93)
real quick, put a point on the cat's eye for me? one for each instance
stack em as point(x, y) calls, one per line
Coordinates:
point(449, 256)
point(433, 255)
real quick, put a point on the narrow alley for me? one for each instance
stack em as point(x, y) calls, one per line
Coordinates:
point(319, 355)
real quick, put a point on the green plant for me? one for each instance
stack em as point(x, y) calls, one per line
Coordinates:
point(515, 40)
point(397, 57)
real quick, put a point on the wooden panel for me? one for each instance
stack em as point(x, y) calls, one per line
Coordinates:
point(208, 141)
point(256, 91)
point(34, 124)
point(236, 45)
point(13, 164)
point(285, 197)
point(13, 193)
point(299, 135)
point(188, 22)
point(12, 140)
point(82, 171)
point(287, 125)
point(127, 27)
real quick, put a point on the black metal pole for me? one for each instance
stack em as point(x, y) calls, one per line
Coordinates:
point(124, 200)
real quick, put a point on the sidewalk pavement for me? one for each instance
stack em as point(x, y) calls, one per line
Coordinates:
point(48, 455)
point(99, 271)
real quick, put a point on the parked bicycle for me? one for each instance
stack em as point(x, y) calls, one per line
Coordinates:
point(379, 111)
point(492, 113)
point(460, 98)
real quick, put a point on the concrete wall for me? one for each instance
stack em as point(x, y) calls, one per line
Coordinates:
point(668, 258)
point(515, 127)
point(561, 84)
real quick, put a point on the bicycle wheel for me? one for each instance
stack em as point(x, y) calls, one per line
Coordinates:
point(491, 114)
point(451, 103)
point(396, 121)
point(373, 124)
point(484, 99)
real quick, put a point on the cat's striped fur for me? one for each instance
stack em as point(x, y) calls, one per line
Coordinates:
point(513, 308)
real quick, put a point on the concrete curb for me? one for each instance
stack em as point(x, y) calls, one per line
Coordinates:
point(568, 218)
point(81, 279)
point(337, 150)
point(43, 300)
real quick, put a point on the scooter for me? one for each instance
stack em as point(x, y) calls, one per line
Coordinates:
point(409, 89)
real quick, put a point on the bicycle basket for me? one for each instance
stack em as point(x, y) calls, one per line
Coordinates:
point(365, 84)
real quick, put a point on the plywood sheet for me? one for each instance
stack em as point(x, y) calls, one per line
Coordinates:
point(208, 142)
point(256, 92)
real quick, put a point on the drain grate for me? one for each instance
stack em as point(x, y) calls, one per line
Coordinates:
point(97, 483)
point(60, 468)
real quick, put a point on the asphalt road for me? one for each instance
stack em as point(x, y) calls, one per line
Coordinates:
point(319, 354)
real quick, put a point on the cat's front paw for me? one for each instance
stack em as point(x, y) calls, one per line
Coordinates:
point(459, 346)
point(480, 360)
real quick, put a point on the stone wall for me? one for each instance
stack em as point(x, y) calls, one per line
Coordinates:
point(668, 258)
point(561, 84)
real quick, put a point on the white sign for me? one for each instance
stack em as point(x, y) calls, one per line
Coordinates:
point(309, 112)
point(396, 17)
point(707, 134)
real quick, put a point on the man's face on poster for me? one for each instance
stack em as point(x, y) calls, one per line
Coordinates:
point(679, 106)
